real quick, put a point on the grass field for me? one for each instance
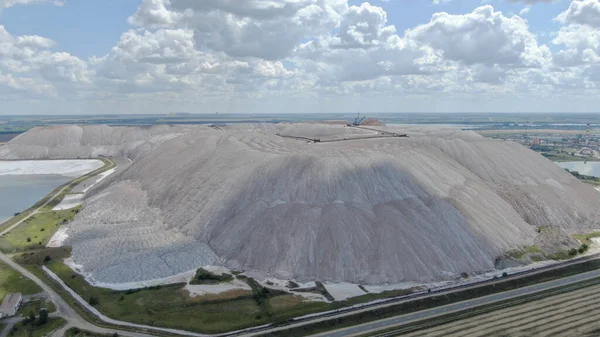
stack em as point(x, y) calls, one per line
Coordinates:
point(586, 238)
point(33, 330)
point(171, 306)
point(36, 231)
point(12, 282)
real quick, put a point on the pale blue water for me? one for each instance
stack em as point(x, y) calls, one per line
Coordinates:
point(589, 168)
point(19, 192)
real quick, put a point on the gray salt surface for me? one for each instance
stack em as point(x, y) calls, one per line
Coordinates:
point(374, 211)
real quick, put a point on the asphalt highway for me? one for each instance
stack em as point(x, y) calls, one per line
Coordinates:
point(459, 306)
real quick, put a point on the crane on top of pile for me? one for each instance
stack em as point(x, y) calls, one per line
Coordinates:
point(357, 121)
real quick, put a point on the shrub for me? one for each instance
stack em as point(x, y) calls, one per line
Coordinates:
point(203, 276)
point(93, 301)
point(28, 239)
point(43, 317)
point(292, 284)
point(505, 274)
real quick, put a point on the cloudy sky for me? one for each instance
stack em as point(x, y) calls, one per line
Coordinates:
point(277, 56)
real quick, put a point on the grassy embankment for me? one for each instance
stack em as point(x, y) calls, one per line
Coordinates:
point(586, 238)
point(35, 232)
point(13, 282)
point(32, 329)
point(171, 306)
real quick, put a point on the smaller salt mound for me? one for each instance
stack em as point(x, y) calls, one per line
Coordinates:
point(89, 141)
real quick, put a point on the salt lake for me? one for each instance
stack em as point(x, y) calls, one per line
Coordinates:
point(24, 182)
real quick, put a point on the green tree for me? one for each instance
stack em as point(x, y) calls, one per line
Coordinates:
point(93, 300)
point(43, 317)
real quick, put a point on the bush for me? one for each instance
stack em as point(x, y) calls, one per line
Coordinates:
point(43, 317)
point(93, 301)
point(505, 274)
point(47, 258)
point(28, 239)
point(572, 252)
point(43, 229)
point(203, 276)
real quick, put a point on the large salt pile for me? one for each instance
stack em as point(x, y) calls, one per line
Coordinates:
point(369, 208)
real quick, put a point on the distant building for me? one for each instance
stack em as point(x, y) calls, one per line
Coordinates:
point(535, 141)
point(586, 151)
point(11, 304)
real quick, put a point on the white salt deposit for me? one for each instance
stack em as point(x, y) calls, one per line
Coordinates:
point(369, 211)
point(69, 201)
point(342, 291)
point(203, 289)
point(71, 168)
point(58, 238)
point(99, 178)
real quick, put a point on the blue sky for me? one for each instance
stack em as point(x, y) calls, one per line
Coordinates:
point(91, 56)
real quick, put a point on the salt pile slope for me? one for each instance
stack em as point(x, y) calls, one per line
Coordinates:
point(74, 141)
point(423, 208)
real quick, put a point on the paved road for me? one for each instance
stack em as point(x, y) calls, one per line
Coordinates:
point(9, 323)
point(459, 306)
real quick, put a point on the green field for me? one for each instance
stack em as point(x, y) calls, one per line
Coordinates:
point(171, 306)
point(32, 330)
point(586, 238)
point(12, 282)
point(36, 231)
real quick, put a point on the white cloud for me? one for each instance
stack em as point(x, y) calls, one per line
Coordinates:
point(484, 36)
point(584, 12)
point(10, 3)
point(525, 11)
point(27, 63)
point(218, 53)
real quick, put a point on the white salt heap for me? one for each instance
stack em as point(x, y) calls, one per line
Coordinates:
point(366, 211)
